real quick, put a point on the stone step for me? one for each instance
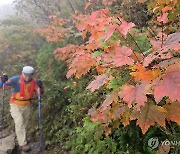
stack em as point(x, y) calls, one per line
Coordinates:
point(7, 144)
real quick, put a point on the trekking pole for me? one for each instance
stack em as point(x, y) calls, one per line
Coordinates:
point(3, 94)
point(2, 112)
point(39, 118)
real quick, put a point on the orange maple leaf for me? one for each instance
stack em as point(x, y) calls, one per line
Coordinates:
point(148, 115)
point(113, 97)
point(173, 111)
point(100, 69)
point(143, 74)
point(166, 8)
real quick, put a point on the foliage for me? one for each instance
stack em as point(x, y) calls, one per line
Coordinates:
point(137, 79)
point(65, 99)
point(111, 48)
point(116, 55)
point(89, 139)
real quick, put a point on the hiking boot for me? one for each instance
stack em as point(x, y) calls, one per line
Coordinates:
point(25, 147)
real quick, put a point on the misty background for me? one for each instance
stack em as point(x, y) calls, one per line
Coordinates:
point(6, 10)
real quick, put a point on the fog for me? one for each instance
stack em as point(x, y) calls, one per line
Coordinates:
point(5, 2)
point(6, 8)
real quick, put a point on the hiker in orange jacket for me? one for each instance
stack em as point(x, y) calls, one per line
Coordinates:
point(23, 88)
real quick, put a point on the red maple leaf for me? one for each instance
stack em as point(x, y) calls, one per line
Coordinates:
point(125, 27)
point(169, 85)
point(163, 18)
point(93, 15)
point(111, 30)
point(121, 56)
point(97, 83)
point(131, 94)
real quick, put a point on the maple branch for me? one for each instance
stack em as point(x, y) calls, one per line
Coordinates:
point(130, 46)
point(71, 6)
point(136, 44)
point(152, 32)
point(133, 41)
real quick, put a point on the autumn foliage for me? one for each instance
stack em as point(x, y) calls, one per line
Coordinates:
point(151, 92)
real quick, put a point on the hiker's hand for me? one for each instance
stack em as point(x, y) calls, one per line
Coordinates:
point(4, 78)
point(39, 83)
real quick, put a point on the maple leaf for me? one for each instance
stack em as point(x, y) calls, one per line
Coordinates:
point(173, 38)
point(154, 56)
point(93, 15)
point(163, 18)
point(81, 63)
point(172, 42)
point(126, 117)
point(107, 57)
point(65, 53)
point(161, 53)
point(113, 97)
point(118, 109)
point(136, 94)
point(100, 69)
point(111, 30)
point(173, 111)
point(108, 131)
point(55, 31)
point(168, 62)
point(97, 116)
point(121, 56)
point(169, 85)
point(142, 74)
point(97, 83)
point(166, 8)
point(148, 115)
point(125, 27)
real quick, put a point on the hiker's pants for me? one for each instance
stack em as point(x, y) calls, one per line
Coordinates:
point(20, 114)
